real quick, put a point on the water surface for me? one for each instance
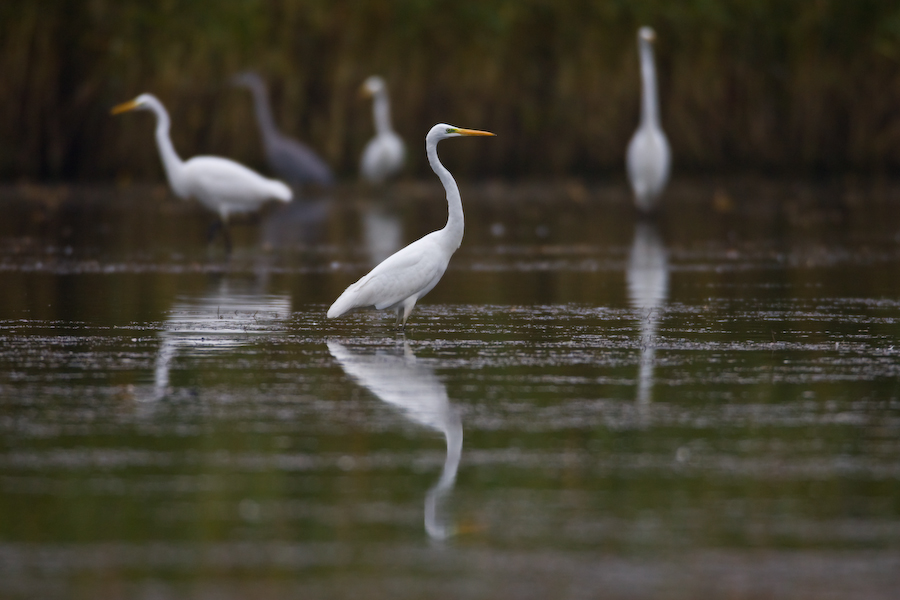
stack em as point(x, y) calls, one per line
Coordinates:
point(705, 405)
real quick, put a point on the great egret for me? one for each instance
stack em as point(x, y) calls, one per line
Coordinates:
point(648, 157)
point(291, 160)
point(219, 184)
point(411, 272)
point(384, 154)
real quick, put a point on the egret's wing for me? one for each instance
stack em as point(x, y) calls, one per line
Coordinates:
point(372, 161)
point(648, 157)
point(412, 270)
point(212, 177)
point(383, 156)
point(647, 161)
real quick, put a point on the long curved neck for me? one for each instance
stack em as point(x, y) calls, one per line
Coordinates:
point(453, 230)
point(649, 97)
point(263, 110)
point(381, 112)
point(172, 163)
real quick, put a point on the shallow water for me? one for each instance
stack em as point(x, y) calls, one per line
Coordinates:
point(707, 405)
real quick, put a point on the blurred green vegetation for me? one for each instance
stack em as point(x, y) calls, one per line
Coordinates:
point(774, 85)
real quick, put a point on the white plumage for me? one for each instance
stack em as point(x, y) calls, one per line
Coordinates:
point(383, 156)
point(410, 273)
point(219, 184)
point(648, 158)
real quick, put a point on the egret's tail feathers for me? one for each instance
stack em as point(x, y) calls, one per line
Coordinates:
point(341, 305)
point(281, 191)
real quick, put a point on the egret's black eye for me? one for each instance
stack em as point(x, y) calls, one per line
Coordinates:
point(451, 130)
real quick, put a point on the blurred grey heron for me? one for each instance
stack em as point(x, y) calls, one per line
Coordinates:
point(290, 159)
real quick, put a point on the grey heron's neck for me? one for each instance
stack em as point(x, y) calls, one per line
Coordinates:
point(649, 94)
point(263, 110)
point(453, 230)
point(381, 112)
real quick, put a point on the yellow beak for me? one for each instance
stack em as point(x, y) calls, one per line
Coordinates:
point(124, 107)
point(473, 132)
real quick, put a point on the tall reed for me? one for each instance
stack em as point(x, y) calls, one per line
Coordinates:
point(780, 85)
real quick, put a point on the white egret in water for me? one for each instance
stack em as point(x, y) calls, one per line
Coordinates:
point(219, 184)
point(405, 276)
point(289, 159)
point(416, 390)
point(648, 155)
point(384, 154)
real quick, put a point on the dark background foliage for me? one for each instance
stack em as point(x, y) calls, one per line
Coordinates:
point(770, 85)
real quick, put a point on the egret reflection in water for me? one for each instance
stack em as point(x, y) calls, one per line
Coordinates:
point(226, 317)
point(382, 232)
point(297, 224)
point(648, 288)
point(422, 398)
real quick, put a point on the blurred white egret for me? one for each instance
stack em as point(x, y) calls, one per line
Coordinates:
point(411, 272)
point(648, 157)
point(219, 184)
point(416, 390)
point(288, 158)
point(384, 154)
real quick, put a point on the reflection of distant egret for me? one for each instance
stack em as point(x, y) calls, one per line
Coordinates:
point(648, 289)
point(222, 319)
point(295, 224)
point(413, 388)
point(382, 232)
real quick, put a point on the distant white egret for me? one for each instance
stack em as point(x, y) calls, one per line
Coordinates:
point(219, 184)
point(410, 273)
point(288, 158)
point(648, 157)
point(384, 154)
